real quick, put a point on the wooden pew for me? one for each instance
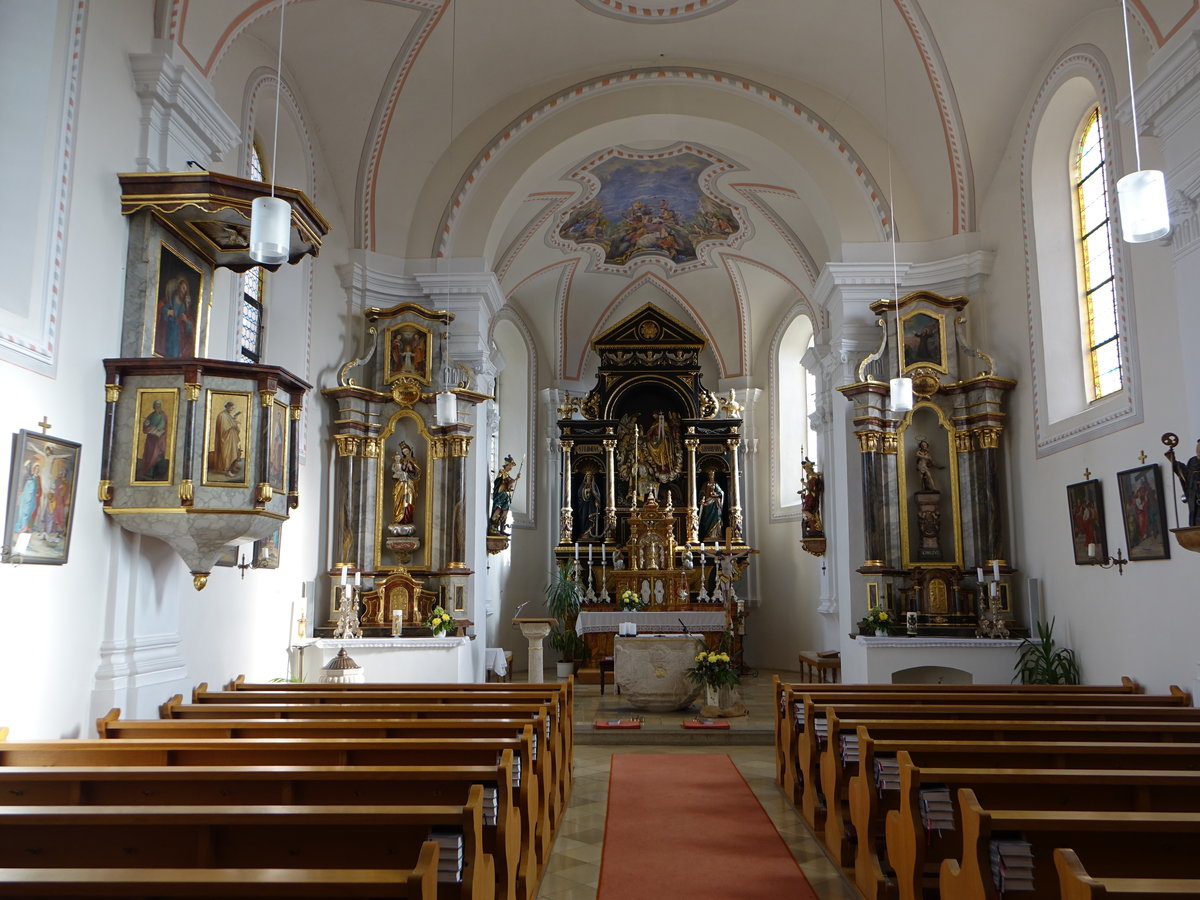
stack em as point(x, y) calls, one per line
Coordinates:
point(793, 699)
point(417, 883)
point(870, 807)
point(251, 752)
point(261, 837)
point(548, 726)
point(784, 705)
point(1074, 883)
point(1074, 723)
point(912, 853)
point(540, 764)
point(305, 785)
point(1109, 843)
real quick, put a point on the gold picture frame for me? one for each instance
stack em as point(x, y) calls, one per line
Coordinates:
point(227, 439)
point(407, 353)
point(41, 499)
point(156, 418)
point(277, 446)
point(176, 327)
point(924, 340)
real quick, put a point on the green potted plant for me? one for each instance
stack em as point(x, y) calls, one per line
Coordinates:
point(563, 601)
point(876, 621)
point(1040, 662)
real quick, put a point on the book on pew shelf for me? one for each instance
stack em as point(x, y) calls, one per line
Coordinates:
point(491, 803)
point(887, 773)
point(704, 723)
point(821, 727)
point(937, 810)
point(849, 746)
point(516, 776)
point(450, 854)
point(798, 713)
point(616, 723)
point(1012, 865)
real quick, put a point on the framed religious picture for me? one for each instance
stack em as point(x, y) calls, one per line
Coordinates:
point(924, 340)
point(41, 499)
point(1144, 512)
point(1089, 540)
point(178, 306)
point(229, 556)
point(277, 435)
point(266, 550)
point(408, 353)
point(227, 439)
point(154, 436)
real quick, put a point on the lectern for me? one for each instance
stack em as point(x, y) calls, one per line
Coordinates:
point(535, 631)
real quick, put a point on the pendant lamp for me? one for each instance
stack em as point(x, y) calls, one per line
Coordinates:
point(271, 217)
point(900, 388)
point(1141, 195)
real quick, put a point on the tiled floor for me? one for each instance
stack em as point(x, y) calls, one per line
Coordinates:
point(574, 868)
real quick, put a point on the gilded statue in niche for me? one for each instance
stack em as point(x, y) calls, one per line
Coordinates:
point(406, 474)
point(651, 458)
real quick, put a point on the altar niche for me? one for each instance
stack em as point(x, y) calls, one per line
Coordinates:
point(652, 477)
point(932, 483)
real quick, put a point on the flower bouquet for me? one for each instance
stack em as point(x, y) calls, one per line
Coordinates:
point(440, 622)
point(713, 669)
point(876, 621)
point(630, 602)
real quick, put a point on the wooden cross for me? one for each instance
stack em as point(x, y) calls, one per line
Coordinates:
point(1087, 473)
point(44, 424)
point(1142, 457)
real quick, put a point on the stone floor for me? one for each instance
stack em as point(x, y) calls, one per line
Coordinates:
point(574, 868)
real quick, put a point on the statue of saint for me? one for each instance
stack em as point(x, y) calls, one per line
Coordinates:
point(589, 507)
point(810, 499)
point(925, 462)
point(1189, 477)
point(502, 491)
point(712, 509)
point(406, 473)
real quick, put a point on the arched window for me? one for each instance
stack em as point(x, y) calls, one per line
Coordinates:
point(251, 324)
point(795, 394)
point(1101, 337)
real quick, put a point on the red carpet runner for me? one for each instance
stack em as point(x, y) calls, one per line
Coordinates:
point(687, 825)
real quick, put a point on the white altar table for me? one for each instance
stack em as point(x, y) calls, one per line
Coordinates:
point(668, 622)
point(924, 660)
point(391, 659)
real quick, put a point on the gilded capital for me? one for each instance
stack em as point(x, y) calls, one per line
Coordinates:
point(295, 412)
point(264, 493)
point(988, 437)
point(193, 391)
point(266, 398)
point(372, 447)
point(347, 444)
point(112, 393)
point(868, 441)
point(888, 443)
point(448, 446)
point(186, 492)
point(104, 491)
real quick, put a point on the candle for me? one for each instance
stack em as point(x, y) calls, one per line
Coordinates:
point(1091, 551)
point(589, 554)
point(577, 551)
point(601, 555)
point(979, 574)
point(291, 619)
point(358, 579)
point(996, 569)
point(397, 622)
point(344, 568)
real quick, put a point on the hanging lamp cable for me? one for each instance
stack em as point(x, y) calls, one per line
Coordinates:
point(278, 92)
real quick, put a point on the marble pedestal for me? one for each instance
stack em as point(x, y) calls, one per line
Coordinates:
point(650, 670)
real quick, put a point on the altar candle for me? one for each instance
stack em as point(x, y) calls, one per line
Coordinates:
point(979, 574)
point(358, 579)
point(589, 554)
point(996, 569)
point(601, 556)
point(577, 551)
point(1091, 551)
point(291, 621)
point(344, 582)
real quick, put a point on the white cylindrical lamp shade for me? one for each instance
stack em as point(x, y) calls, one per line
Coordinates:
point(901, 394)
point(270, 230)
point(1142, 198)
point(447, 408)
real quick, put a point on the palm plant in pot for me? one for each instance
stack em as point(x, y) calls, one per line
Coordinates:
point(563, 601)
point(1040, 662)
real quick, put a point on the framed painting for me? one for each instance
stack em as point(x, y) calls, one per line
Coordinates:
point(266, 551)
point(177, 307)
point(154, 436)
point(1144, 512)
point(924, 340)
point(227, 438)
point(277, 436)
point(408, 353)
point(229, 556)
point(1089, 540)
point(41, 499)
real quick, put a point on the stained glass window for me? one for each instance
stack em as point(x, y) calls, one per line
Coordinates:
point(250, 330)
point(1101, 326)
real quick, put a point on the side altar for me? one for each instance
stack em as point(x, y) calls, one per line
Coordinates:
point(652, 483)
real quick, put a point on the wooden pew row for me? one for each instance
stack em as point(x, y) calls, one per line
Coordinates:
point(784, 712)
point(1019, 695)
point(561, 694)
point(417, 883)
point(913, 853)
point(1118, 844)
point(1074, 883)
point(813, 746)
point(261, 837)
point(252, 752)
point(1061, 723)
point(870, 807)
point(541, 764)
point(286, 785)
point(548, 725)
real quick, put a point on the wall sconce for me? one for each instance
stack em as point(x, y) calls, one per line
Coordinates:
point(1108, 562)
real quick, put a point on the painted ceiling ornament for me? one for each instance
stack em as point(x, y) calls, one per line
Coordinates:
point(651, 207)
point(651, 12)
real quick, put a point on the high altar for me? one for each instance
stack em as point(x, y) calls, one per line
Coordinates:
point(652, 485)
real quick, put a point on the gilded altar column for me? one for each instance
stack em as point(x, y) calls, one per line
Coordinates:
point(693, 513)
point(735, 506)
point(566, 518)
point(449, 449)
point(872, 497)
point(610, 489)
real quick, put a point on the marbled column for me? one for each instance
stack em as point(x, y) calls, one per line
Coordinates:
point(693, 513)
point(735, 477)
point(293, 473)
point(610, 490)
point(263, 492)
point(566, 522)
point(187, 468)
point(872, 482)
point(112, 393)
point(989, 509)
point(449, 451)
point(345, 475)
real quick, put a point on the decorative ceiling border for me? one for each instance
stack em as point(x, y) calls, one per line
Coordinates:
point(704, 251)
point(751, 192)
point(552, 202)
point(873, 194)
point(654, 13)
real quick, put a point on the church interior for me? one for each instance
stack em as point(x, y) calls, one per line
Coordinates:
point(758, 321)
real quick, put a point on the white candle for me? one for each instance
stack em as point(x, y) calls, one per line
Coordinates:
point(979, 574)
point(1091, 551)
point(291, 622)
point(577, 551)
point(589, 554)
point(344, 569)
point(996, 569)
point(358, 579)
point(601, 554)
